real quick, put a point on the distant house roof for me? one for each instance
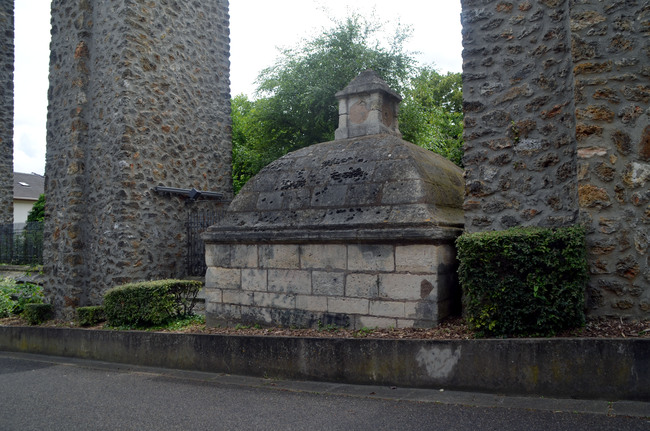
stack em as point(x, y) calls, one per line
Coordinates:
point(28, 186)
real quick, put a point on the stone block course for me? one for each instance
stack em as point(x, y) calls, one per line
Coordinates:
point(244, 256)
point(374, 322)
point(373, 295)
point(348, 305)
point(311, 303)
point(275, 300)
point(371, 258)
point(328, 283)
point(407, 286)
point(223, 278)
point(238, 296)
point(416, 258)
point(323, 256)
point(254, 279)
point(289, 281)
point(218, 256)
point(362, 285)
point(387, 308)
point(279, 256)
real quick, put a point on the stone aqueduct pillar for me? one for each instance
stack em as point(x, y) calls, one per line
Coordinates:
point(139, 98)
point(557, 131)
point(520, 153)
point(6, 111)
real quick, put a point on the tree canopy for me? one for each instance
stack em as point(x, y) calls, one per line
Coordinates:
point(297, 107)
point(431, 114)
point(37, 213)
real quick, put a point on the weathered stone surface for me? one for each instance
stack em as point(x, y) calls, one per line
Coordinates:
point(6, 113)
point(119, 124)
point(329, 283)
point(607, 61)
point(526, 107)
point(361, 164)
point(371, 258)
point(279, 256)
point(289, 281)
point(644, 145)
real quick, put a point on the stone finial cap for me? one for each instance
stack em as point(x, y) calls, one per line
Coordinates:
point(367, 106)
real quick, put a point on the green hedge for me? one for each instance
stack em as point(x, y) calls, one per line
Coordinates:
point(90, 316)
point(150, 302)
point(35, 314)
point(523, 281)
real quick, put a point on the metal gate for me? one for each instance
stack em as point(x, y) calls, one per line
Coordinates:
point(197, 223)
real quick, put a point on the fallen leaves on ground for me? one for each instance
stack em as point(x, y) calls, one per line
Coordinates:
point(451, 329)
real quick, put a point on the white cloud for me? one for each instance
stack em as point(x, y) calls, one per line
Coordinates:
point(259, 27)
point(32, 55)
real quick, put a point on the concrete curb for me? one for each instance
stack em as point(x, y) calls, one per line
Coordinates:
point(612, 369)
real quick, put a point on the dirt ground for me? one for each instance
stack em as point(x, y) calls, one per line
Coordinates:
point(451, 329)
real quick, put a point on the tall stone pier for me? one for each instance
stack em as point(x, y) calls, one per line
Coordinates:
point(557, 131)
point(520, 153)
point(138, 98)
point(6, 112)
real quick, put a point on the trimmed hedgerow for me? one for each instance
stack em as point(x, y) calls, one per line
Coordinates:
point(151, 302)
point(89, 316)
point(35, 314)
point(523, 281)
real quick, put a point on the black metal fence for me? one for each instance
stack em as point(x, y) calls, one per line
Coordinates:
point(197, 222)
point(25, 246)
point(22, 246)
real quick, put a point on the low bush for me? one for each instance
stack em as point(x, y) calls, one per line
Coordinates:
point(90, 316)
point(523, 281)
point(35, 314)
point(151, 302)
point(15, 296)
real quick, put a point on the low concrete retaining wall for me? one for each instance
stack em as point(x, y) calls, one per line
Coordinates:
point(608, 369)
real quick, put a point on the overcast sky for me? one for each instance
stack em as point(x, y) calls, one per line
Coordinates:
point(257, 29)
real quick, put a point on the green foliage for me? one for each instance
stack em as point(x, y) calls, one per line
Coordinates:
point(37, 213)
point(523, 281)
point(431, 114)
point(15, 296)
point(150, 302)
point(298, 106)
point(35, 314)
point(90, 316)
point(173, 324)
point(6, 304)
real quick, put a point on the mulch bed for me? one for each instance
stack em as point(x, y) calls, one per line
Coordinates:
point(451, 329)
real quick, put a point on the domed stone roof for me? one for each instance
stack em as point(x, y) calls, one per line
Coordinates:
point(373, 187)
point(368, 184)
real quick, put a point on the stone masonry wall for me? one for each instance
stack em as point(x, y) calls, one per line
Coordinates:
point(353, 285)
point(611, 55)
point(139, 97)
point(6, 112)
point(557, 122)
point(520, 162)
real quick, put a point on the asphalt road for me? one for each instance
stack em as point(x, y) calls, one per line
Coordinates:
point(46, 393)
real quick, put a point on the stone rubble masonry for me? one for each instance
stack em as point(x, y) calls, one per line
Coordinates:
point(353, 285)
point(6, 112)
point(557, 125)
point(138, 98)
point(520, 147)
point(611, 55)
